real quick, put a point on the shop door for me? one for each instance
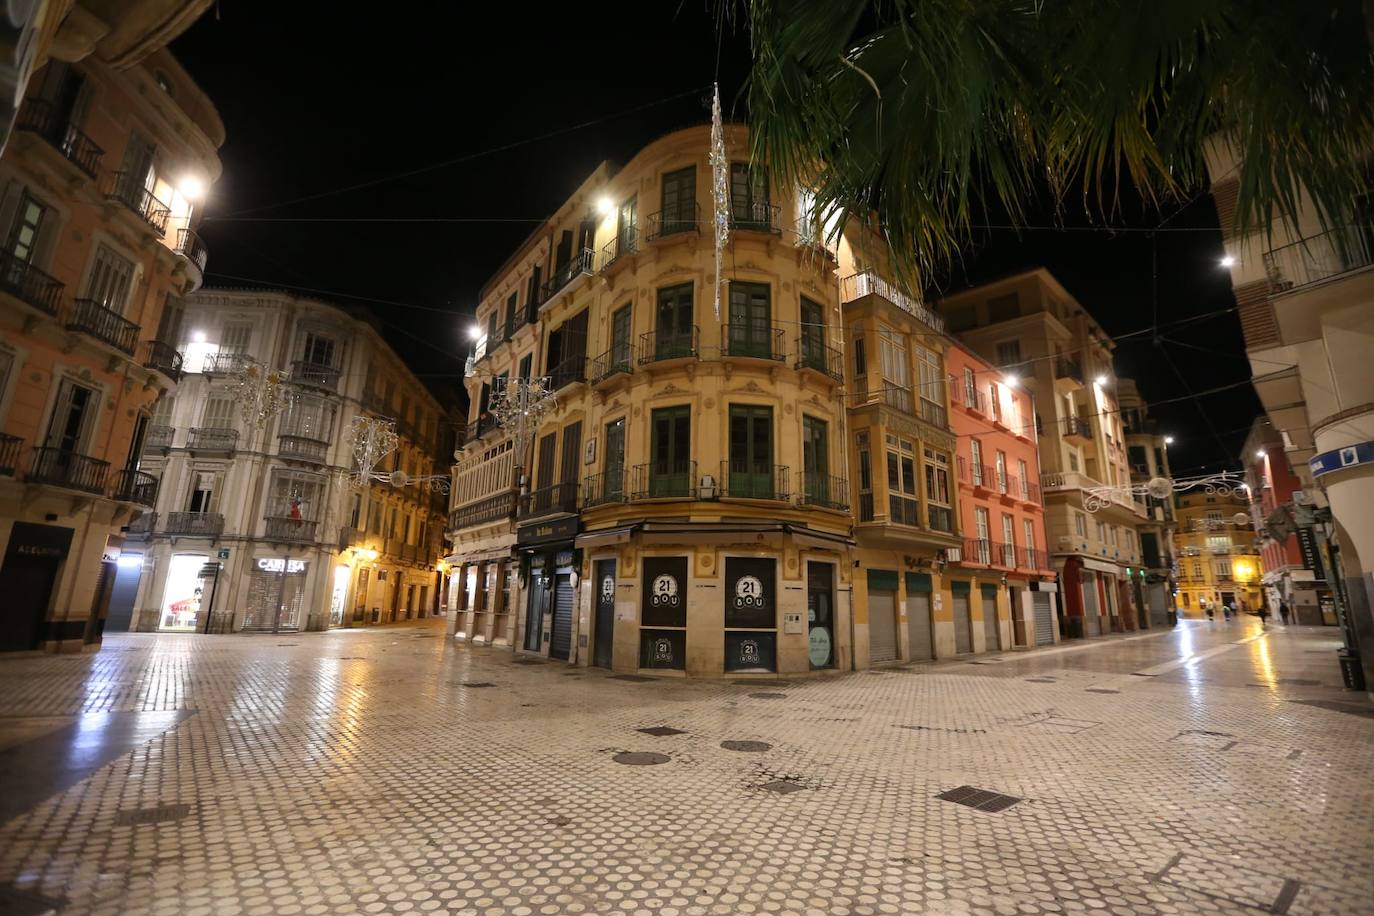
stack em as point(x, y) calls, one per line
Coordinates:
point(1044, 622)
point(27, 579)
point(882, 627)
point(820, 614)
point(918, 626)
point(560, 640)
point(127, 576)
point(1092, 623)
point(991, 640)
point(537, 600)
point(360, 599)
point(963, 631)
point(605, 613)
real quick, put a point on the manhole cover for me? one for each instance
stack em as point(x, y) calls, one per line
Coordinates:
point(161, 814)
point(659, 731)
point(635, 678)
point(475, 684)
point(979, 799)
point(781, 786)
point(769, 696)
point(747, 747)
point(1099, 690)
point(640, 758)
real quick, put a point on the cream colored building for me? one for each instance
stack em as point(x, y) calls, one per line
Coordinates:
point(297, 545)
point(1218, 562)
point(1147, 453)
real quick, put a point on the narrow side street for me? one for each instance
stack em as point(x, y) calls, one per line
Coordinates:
point(1215, 768)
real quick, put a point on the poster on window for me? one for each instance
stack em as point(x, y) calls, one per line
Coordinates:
point(665, 592)
point(750, 593)
point(751, 650)
point(663, 649)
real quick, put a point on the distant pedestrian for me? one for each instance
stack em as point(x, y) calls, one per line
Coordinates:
point(1263, 615)
point(1226, 610)
point(1283, 612)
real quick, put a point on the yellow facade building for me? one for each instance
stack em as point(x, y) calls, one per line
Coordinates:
point(1218, 562)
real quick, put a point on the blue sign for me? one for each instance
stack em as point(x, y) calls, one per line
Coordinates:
point(1338, 459)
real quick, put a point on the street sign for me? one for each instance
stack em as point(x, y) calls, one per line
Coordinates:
point(224, 553)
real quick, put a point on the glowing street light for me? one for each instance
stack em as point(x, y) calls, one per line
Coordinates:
point(191, 187)
point(1168, 440)
point(1100, 381)
point(1228, 261)
point(605, 206)
point(474, 332)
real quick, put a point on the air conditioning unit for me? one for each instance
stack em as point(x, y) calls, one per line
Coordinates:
point(707, 490)
point(954, 554)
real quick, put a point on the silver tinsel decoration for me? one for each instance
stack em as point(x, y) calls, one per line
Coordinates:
point(720, 189)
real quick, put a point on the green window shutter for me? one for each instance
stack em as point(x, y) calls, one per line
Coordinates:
point(918, 582)
point(959, 588)
point(989, 592)
point(882, 580)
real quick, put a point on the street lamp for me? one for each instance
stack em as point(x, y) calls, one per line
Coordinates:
point(1228, 261)
point(1168, 440)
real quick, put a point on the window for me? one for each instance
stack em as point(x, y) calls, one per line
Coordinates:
point(111, 279)
point(308, 417)
point(860, 358)
point(892, 357)
point(865, 478)
point(970, 388)
point(1073, 460)
point(932, 377)
point(1214, 517)
point(319, 350)
point(1219, 543)
point(750, 332)
point(355, 510)
point(751, 452)
point(1022, 470)
point(28, 223)
point(614, 461)
point(1001, 471)
point(1222, 568)
point(572, 453)
point(1008, 353)
point(218, 412)
point(493, 323)
point(620, 340)
point(678, 202)
point(73, 417)
point(6, 367)
point(1028, 541)
point(235, 338)
point(162, 410)
point(938, 491)
point(812, 336)
point(749, 196)
point(670, 449)
point(526, 364)
point(512, 306)
point(1080, 524)
point(1008, 541)
point(204, 486)
point(981, 527)
point(1197, 569)
point(903, 505)
point(994, 402)
point(1101, 532)
point(295, 496)
point(816, 462)
point(675, 335)
point(975, 449)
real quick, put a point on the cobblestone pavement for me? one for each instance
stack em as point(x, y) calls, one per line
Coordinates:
point(1213, 768)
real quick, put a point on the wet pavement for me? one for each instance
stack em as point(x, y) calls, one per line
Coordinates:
point(1213, 768)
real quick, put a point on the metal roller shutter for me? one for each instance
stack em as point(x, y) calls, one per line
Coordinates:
point(882, 627)
point(991, 638)
point(1044, 620)
point(560, 640)
point(963, 636)
point(918, 626)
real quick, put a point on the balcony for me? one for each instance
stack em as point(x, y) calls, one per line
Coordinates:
point(675, 479)
point(755, 217)
point(1320, 257)
point(1035, 559)
point(824, 491)
point(316, 375)
point(616, 361)
point(1028, 492)
point(492, 509)
point(225, 363)
point(29, 284)
point(561, 498)
point(485, 424)
point(10, 449)
point(679, 220)
point(1068, 374)
point(290, 529)
point(570, 370)
point(163, 357)
point(40, 117)
point(1009, 485)
point(754, 340)
point(933, 413)
point(69, 470)
point(1077, 428)
point(105, 325)
point(350, 536)
point(899, 398)
point(660, 345)
point(977, 552)
point(606, 488)
point(743, 480)
point(194, 524)
point(814, 356)
point(623, 245)
point(1219, 551)
point(974, 400)
point(192, 247)
point(158, 439)
point(212, 439)
point(868, 283)
point(580, 265)
point(141, 528)
point(940, 518)
point(135, 486)
point(302, 448)
point(128, 190)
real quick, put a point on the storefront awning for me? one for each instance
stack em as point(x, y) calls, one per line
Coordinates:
point(1102, 566)
point(605, 537)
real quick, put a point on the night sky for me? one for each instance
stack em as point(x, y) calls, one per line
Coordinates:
point(516, 109)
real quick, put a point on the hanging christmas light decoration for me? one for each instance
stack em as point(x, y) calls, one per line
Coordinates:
point(519, 405)
point(720, 190)
point(1161, 488)
point(374, 438)
point(261, 392)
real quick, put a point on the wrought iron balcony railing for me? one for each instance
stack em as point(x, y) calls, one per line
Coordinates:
point(899, 397)
point(11, 448)
point(290, 529)
point(677, 220)
point(128, 189)
point(569, 370)
point(142, 528)
point(319, 375)
point(73, 471)
point(747, 480)
point(932, 412)
point(192, 247)
point(1068, 369)
point(1077, 426)
point(824, 491)
point(814, 355)
point(212, 439)
point(561, 497)
point(225, 363)
point(603, 489)
point(29, 284)
point(870, 283)
point(158, 438)
point(665, 344)
point(977, 552)
point(1035, 559)
point(674, 479)
point(616, 361)
point(105, 325)
point(756, 340)
point(302, 448)
point(579, 265)
point(195, 524)
point(755, 217)
point(1320, 257)
point(40, 116)
point(623, 245)
point(492, 509)
point(971, 400)
point(163, 357)
point(135, 486)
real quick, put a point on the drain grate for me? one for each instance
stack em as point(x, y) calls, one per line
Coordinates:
point(633, 678)
point(769, 696)
point(782, 786)
point(979, 799)
point(162, 814)
point(747, 747)
point(660, 731)
point(640, 758)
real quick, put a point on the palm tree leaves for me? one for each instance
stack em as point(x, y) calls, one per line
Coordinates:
point(918, 113)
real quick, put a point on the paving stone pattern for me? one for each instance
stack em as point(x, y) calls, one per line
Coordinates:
point(362, 772)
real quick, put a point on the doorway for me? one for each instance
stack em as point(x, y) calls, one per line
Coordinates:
point(963, 626)
point(128, 572)
point(534, 611)
point(820, 614)
point(560, 639)
point(1044, 619)
point(32, 563)
point(605, 614)
point(918, 617)
point(991, 637)
point(882, 616)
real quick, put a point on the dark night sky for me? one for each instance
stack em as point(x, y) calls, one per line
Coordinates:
point(315, 101)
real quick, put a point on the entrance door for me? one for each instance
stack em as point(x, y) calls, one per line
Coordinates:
point(538, 599)
point(605, 613)
point(963, 632)
point(27, 579)
point(820, 614)
point(127, 574)
point(991, 638)
point(1092, 623)
point(1044, 622)
point(360, 598)
point(882, 627)
point(670, 470)
point(918, 626)
point(560, 640)
point(751, 452)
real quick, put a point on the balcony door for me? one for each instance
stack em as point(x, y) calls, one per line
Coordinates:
point(749, 196)
point(626, 219)
point(110, 280)
point(679, 201)
point(813, 335)
point(73, 416)
point(670, 449)
point(571, 464)
point(203, 493)
point(620, 339)
point(751, 452)
point(815, 461)
point(615, 461)
point(28, 225)
point(750, 330)
point(674, 330)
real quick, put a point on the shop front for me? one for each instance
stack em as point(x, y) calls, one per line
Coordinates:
point(276, 595)
point(551, 566)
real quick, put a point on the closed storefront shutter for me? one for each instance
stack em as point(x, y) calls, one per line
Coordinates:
point(918, 616)
point(560, 640)
point(990, 640)
point(1044, 620)
point(963, 635)
point(882, 616)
